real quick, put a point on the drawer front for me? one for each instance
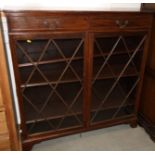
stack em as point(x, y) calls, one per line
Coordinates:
point(3, 126)
point(47, 23)
point(121, 22)
point(4, 142)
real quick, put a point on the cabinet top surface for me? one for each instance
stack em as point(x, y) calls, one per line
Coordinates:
point(49, 12)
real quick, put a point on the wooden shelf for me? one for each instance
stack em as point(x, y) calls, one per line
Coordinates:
point(48, 62)
point(51, 73)
point(42, 62)
point(71, 117)
point(48, 83)
point(77, 113)
point(56, 109)
point(105, 115)
point(105, 74)
point(56, 105)
point(115, 99)
point(41, 124)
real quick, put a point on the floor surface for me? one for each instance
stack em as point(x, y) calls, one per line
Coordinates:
point(121, 137)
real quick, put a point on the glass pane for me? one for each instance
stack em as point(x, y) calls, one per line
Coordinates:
point(116, 65)
point(51, 75)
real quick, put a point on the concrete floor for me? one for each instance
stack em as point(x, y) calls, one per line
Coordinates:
point(121, 137)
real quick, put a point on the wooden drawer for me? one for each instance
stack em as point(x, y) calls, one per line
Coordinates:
point(4, 142)
point(36, 21)
point(121, 21)
point(3, 126)
point(47, 23)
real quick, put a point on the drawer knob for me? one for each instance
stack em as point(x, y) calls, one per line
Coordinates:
point(122, 23)
point(46, 23)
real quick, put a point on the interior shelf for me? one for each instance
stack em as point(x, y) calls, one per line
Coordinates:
point(42, 62)
point(57, 104)
point(130, 72)
point(47, 50)
point(56, 109)
point(59, 107)
point(107, 114)
point(117, 99)
point(125, 44)
point(114, 66)
point(49, 125)
point(52, 72)
point(50, 61)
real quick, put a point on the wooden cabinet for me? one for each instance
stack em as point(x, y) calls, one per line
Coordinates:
point(9, 139)
point(77, 71)
point(4, 132)
point(147, 107)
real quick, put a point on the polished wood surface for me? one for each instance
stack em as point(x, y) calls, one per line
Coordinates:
point(52, 21)
point(30, 31)
point(3, 122)
point(147, 107)
point(8, 131)
point(4, 133)
point(4, 142)
point(148, 97)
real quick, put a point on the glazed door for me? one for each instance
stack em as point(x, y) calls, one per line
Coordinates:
point(50, 70)
point(116, 74)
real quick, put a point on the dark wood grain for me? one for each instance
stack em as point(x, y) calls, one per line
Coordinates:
point(147, 106)
point(52, 21)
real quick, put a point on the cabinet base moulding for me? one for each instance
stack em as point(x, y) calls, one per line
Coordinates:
point(34, 139)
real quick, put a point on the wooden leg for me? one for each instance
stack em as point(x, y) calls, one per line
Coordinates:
point(27, 147)
point(133, 124)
